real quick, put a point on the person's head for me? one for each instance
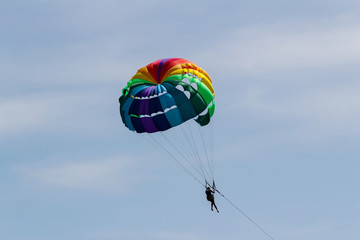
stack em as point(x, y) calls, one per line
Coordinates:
point(207, 188)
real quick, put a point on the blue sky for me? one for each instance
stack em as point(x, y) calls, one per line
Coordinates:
point(286, 78)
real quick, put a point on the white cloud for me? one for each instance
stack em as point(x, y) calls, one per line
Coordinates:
point(290, 46)
point(28, 113)
point(91, 175)
point(88, 110)
point(85, 67)
point(327, 106)
point(302, 49)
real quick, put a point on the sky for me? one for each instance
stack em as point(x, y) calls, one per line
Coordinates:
point(286, 125)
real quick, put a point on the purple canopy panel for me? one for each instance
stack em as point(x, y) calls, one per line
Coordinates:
point(148, 124)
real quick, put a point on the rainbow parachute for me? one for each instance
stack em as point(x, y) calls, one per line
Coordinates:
point(165, 94)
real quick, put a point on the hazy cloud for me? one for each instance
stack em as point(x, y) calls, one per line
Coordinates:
point(36, 111)
point(91, 175)
point(260, 49)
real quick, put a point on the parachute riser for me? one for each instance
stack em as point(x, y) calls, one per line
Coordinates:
point(213, 187)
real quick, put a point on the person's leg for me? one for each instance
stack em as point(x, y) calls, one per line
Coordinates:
point(212, 205)
point(216, 207)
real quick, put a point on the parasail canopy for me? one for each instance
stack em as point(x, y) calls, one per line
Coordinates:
point(165, 94)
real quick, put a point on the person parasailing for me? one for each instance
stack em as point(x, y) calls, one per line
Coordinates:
point(210, 197)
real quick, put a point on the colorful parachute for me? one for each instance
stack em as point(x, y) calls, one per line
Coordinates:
point(160, 99)
point(166, 93)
